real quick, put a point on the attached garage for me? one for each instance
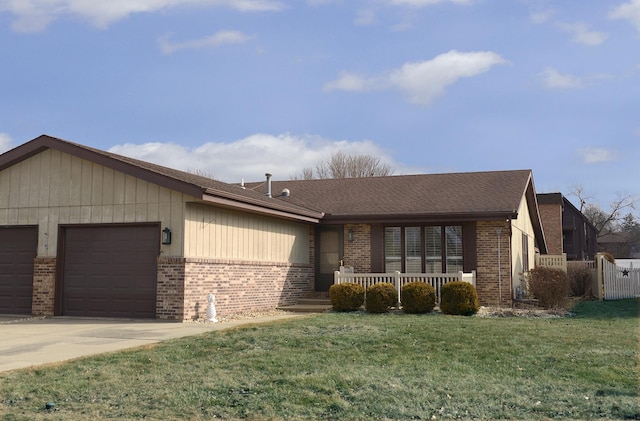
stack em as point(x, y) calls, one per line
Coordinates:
point(18, 246)
point(109, 271)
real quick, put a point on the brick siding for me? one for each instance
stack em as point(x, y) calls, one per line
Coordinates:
point(357, 253)
point(489, 282)
point(44, 284)
point(551, 217)
point(239, 286)
point(170, 288)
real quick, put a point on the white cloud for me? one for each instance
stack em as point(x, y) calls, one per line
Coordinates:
point(582, 35)
point(353, 82)
point(423, 82)
point(216, 40)
point(250, 158)
point(628, 11)
point(554, 79)
point(6, 142)
point(36, 15)
point(365, 17)
point(595, 155)
point(541, 16)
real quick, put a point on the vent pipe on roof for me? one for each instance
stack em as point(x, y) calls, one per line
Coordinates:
point(268, 184)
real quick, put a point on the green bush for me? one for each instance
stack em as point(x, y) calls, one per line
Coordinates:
point(418, 298)
point(459, 298)
point(346, 297)
point(380, 297)
point(579, 280)
point(550, 286)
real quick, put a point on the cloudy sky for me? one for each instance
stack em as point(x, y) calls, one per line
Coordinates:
point(237, 88)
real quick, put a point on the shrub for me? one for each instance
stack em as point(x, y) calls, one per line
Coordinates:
point(418, 298)
point(459, 298)
point(380, 297)
point(607, 256)
point(550, 286)
point(346, 297)
point(579, 280)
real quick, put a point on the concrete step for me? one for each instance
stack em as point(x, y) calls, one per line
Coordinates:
point(309, 305)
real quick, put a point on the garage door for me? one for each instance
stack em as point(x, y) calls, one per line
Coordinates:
point(18, 248)
point(110, 271)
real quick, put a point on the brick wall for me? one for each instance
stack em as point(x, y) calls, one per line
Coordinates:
point(551, 217)
point(170, 288)
point(44, 284)
point(241, 286)
point(357, 253)
point(490, 281)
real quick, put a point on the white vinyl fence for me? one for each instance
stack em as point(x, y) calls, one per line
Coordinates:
point(436, 280)
point(620, 282)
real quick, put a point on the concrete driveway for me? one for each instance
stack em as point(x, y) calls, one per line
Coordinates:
point(31, 342)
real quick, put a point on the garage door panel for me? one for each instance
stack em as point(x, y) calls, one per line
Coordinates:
point(18, 248)
point(113, 277)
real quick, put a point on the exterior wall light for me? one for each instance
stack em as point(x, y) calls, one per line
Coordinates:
point(166, 236)
point(350, 235)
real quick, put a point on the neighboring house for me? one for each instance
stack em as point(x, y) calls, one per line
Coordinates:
point(566, 229)
point(90, 233)
point(620, 245)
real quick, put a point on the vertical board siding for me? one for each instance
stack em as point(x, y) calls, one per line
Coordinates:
point(216, 233)
point(53, 187)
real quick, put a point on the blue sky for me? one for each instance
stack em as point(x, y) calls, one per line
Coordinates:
point(237, 88)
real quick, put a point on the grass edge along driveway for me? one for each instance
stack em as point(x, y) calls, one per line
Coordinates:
point(355, 366)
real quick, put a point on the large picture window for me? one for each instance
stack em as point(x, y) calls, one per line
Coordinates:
point(424, 249)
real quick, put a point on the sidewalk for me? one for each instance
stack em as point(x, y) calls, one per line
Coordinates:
point(31, 342)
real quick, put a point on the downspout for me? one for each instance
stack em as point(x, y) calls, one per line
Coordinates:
point(499, 232)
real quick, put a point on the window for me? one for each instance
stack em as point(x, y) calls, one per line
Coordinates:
point(525, 253)
point(433, 247)
point(413, 250)
point(454, 249)
point(393, 249)
point(430, 249)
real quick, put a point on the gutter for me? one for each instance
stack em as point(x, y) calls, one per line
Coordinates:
point(231, 200)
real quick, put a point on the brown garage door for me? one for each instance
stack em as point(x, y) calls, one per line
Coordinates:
point(18, 248)
point(110, 271)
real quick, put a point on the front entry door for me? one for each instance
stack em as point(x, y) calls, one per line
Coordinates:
point(330, 252)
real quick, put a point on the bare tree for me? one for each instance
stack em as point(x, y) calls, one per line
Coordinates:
point(603, 221)
point(343, 165)
point(202, 173)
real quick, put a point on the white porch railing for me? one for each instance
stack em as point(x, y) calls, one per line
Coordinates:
point(436, 280)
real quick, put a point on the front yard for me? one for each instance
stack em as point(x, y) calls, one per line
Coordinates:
point(357, 366)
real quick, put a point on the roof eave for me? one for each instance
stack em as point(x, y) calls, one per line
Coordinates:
point(253, 206)
point(427, 217)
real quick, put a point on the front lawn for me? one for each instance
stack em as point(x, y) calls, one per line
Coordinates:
point(357, 366)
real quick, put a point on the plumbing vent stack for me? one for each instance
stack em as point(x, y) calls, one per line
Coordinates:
point(268, 184)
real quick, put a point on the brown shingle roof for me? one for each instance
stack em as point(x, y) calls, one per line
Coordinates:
point(425, 197)
point(488, 194)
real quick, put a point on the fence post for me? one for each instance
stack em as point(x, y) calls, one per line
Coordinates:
point(336, 277)
point(599, 278)
point(398, 288)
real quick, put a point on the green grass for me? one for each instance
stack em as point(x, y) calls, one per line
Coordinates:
point(357, 366)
